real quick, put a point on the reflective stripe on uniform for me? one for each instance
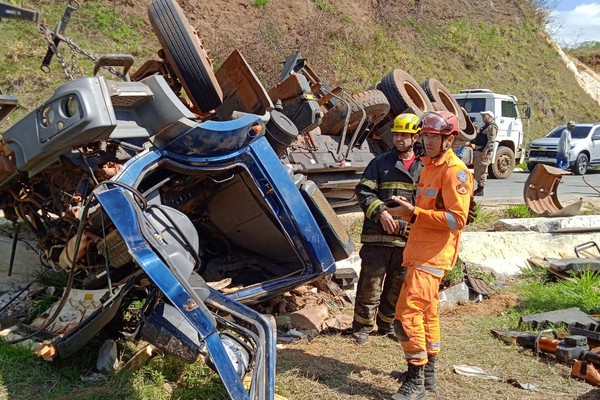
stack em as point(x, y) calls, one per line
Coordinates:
point(372, 207)
point(452, 223)
point(433, 271)
point(418, 192)
point(364, 321)
point(395, 240)
point(368, 183)
point(387, 320)
point(398, 185)
point(421, 355)
point(434, 346)
point(430, 192)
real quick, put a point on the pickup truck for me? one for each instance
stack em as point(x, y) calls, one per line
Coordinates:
point(584, 152)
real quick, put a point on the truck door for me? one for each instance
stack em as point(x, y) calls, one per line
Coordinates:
point(509, 123)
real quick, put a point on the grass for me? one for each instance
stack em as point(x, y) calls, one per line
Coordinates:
point(109, 23)
point(162, 378)
point(261, 3)
point(519, 211)
point(587, 52)
point(331, 367)
point(539, 295)
point(454, 276)
point(325, 6)
point(485, 219)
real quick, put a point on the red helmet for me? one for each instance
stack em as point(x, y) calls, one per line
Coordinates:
point(440, 123)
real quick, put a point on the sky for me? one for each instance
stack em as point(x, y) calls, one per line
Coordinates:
point(575, 21)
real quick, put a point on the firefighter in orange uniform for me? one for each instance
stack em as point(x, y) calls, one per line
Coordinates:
point(440, 212)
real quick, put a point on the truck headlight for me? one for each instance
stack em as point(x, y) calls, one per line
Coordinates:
point(71, 106)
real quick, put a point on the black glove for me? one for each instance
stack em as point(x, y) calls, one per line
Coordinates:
point(403, 229)
point(404, 233)
point(390, 203)
point(472, 211)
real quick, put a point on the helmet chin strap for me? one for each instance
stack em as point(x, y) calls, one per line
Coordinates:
point(409, 148)
point(442, 150)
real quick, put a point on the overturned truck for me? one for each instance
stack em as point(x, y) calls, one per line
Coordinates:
point(138, 196)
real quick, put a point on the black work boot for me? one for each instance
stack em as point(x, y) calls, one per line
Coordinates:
point(478, 191)
point(360, 337)
point(430, 381)
point(413, 387)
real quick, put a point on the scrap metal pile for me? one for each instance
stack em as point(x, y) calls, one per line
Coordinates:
point(581, 348)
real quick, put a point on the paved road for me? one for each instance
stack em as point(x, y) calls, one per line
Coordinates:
point(572, 187)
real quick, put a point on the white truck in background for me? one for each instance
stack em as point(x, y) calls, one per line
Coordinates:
point(509, 142)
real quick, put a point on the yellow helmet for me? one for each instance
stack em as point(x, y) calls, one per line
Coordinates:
point(406, 123)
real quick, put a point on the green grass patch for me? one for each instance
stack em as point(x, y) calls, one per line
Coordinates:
point(111, 23)
point(539, 295)
point(483, 221)
point(454, 276)
point(325, 6)
point(24, 376)
point(519, 211)
point(261, 3)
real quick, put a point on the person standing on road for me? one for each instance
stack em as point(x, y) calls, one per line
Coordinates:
point(483, 147)
point(564, 145)
point(440, 211)
point(381, 276)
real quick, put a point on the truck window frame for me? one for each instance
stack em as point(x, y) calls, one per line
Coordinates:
point(472, 105)
point(508, 109)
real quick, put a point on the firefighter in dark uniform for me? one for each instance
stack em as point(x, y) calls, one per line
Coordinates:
point(394, 173)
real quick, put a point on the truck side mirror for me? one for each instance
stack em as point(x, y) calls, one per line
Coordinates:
point(527, 110)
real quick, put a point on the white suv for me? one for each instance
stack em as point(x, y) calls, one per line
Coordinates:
point(585, 148)
point(509, 142)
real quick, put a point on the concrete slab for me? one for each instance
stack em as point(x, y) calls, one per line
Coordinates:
point(454, 295)
point(351, 262)
point(507, 252)
point(564, 224)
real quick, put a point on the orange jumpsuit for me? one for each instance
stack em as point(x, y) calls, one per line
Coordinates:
point(441, 208)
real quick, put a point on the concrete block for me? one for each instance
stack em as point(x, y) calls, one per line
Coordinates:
point(454, 294)
point(544, 225)
point(507, 252)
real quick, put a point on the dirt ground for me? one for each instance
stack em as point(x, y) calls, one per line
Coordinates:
point(334, 367)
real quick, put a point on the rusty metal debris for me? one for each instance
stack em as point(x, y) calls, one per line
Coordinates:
point(540, 193)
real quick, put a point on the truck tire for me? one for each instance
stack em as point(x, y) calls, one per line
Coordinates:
point(185, 53)
point(469, 132)
point(530, 166)
point(374, 102)
point(581, 164)
point(504, 164)
point(441, 95)
point(404, 93)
